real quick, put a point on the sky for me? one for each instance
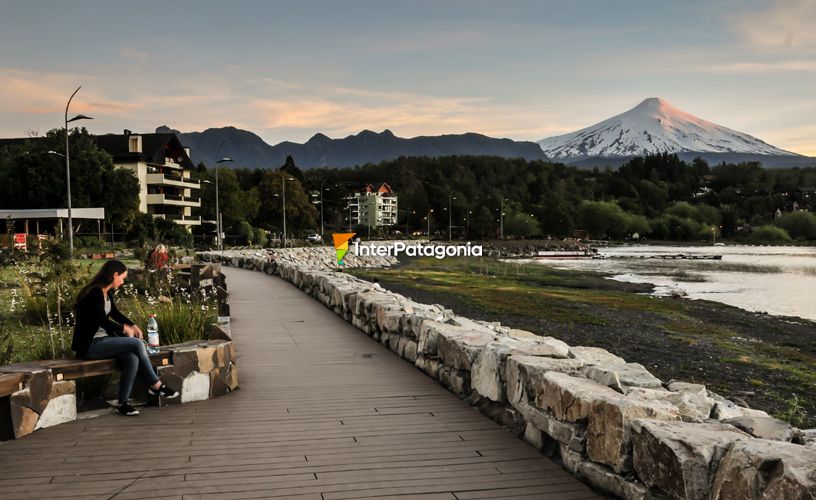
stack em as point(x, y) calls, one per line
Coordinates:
point(519, 69)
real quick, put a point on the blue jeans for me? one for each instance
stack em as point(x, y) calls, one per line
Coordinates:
point(132, 355)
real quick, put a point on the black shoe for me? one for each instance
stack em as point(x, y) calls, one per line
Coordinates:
point(127, 410)
point(163, 392)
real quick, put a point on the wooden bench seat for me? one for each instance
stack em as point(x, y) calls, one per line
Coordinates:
point(67, 369)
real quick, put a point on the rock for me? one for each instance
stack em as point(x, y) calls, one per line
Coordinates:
point(59, 410)
point(39, 383)
point(763, 427)
point(62, 388)
point(523, 374)
point(195, 387)
point(692, 406)
point(766, 469)
point(806, 437)
point(687, 387)
point(430, 366)
point(609, 429)
point(533, 437)
point(680, 457)
point(218, 333)
point(185, 360)
point(206, 359)
point(594, 355)
point(458, 381)
point(622, 376)
point(485, 375)
point(570, 398)
point(570, 459)
point(458, 348)
point(23, 419)
point(724, 409)
point(607, 481)
point(541, 346)
point(571, 435)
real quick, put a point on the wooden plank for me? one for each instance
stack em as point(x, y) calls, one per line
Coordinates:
point(314, 419)
point(10, 383)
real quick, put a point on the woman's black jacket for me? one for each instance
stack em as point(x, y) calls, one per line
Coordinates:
point(90, 315)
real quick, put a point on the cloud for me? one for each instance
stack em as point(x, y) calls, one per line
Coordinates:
point(757, 67)
point(784, 24)
point(130, 53)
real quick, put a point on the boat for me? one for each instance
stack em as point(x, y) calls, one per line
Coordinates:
point(565, 254)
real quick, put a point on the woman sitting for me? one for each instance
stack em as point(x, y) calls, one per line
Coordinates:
point(101, 332)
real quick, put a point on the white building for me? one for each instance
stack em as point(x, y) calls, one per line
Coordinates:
point(373, 207)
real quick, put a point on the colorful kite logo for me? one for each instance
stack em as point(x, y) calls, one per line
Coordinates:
point(341, 245)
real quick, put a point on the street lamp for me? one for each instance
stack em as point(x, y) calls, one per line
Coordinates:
point(501, 219)
point(430, 211)
point(450, 212)
point(283, 193)
point(68, 170)
point(467, 223)
point(217, 209)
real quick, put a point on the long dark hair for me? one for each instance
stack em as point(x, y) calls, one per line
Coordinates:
point(103, 278)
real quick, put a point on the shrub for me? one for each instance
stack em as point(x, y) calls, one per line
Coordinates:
point(799, 225)
point(180, 319)
point(769, 234)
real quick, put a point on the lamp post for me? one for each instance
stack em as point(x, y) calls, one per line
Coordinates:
point(68, 170)
point(430, 211)
point(467, 223)
point(217, 209)
point(501, 219)
point(450, 215)
point(283, 197)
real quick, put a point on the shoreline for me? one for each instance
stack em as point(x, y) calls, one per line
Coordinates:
point(766, 361)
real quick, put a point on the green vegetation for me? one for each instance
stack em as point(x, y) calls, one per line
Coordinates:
point(37, 295)
point(758, 358)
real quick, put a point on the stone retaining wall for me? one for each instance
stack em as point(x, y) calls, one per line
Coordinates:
point(200, 370)
point(611, 423)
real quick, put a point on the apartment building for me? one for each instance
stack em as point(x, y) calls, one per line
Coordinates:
point(164, 170)
point(373, 207)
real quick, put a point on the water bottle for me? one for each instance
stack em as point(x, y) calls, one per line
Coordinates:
point(152, 335)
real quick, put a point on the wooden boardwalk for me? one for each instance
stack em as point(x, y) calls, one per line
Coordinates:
point(323, 412)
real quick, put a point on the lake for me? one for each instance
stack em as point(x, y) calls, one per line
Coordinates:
point(778, 280)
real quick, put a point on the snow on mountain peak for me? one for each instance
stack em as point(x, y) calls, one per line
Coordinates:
point(654, 126)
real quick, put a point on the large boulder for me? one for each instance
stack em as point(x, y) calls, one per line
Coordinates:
point(594, 355)
point(488, 370)
point(458, 347)
point(724, 409)
point(524, 374)
point(609, 428)
point(59, 410)
point(759, 468)
point(692, 406)
point(763, 427)
point(570, 398)
point(622, 376)
point(680, 458)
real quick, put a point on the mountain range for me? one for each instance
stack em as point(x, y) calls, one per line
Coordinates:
point(249, 150)
point(653, 126)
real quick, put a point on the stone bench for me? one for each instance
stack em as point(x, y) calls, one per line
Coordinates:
point(40, 394)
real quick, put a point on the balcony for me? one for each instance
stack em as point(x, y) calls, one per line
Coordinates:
point(172, 199)
point(172, 179)
point(189, 220)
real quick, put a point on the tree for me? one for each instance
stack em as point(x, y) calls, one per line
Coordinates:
point(799, 225)
point(300, 212)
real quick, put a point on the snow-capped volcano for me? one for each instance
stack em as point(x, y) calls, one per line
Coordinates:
point(654, 126)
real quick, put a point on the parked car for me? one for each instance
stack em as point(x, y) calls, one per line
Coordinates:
point(314, 238)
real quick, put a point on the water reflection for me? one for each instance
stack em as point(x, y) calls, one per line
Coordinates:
point(776, 280)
